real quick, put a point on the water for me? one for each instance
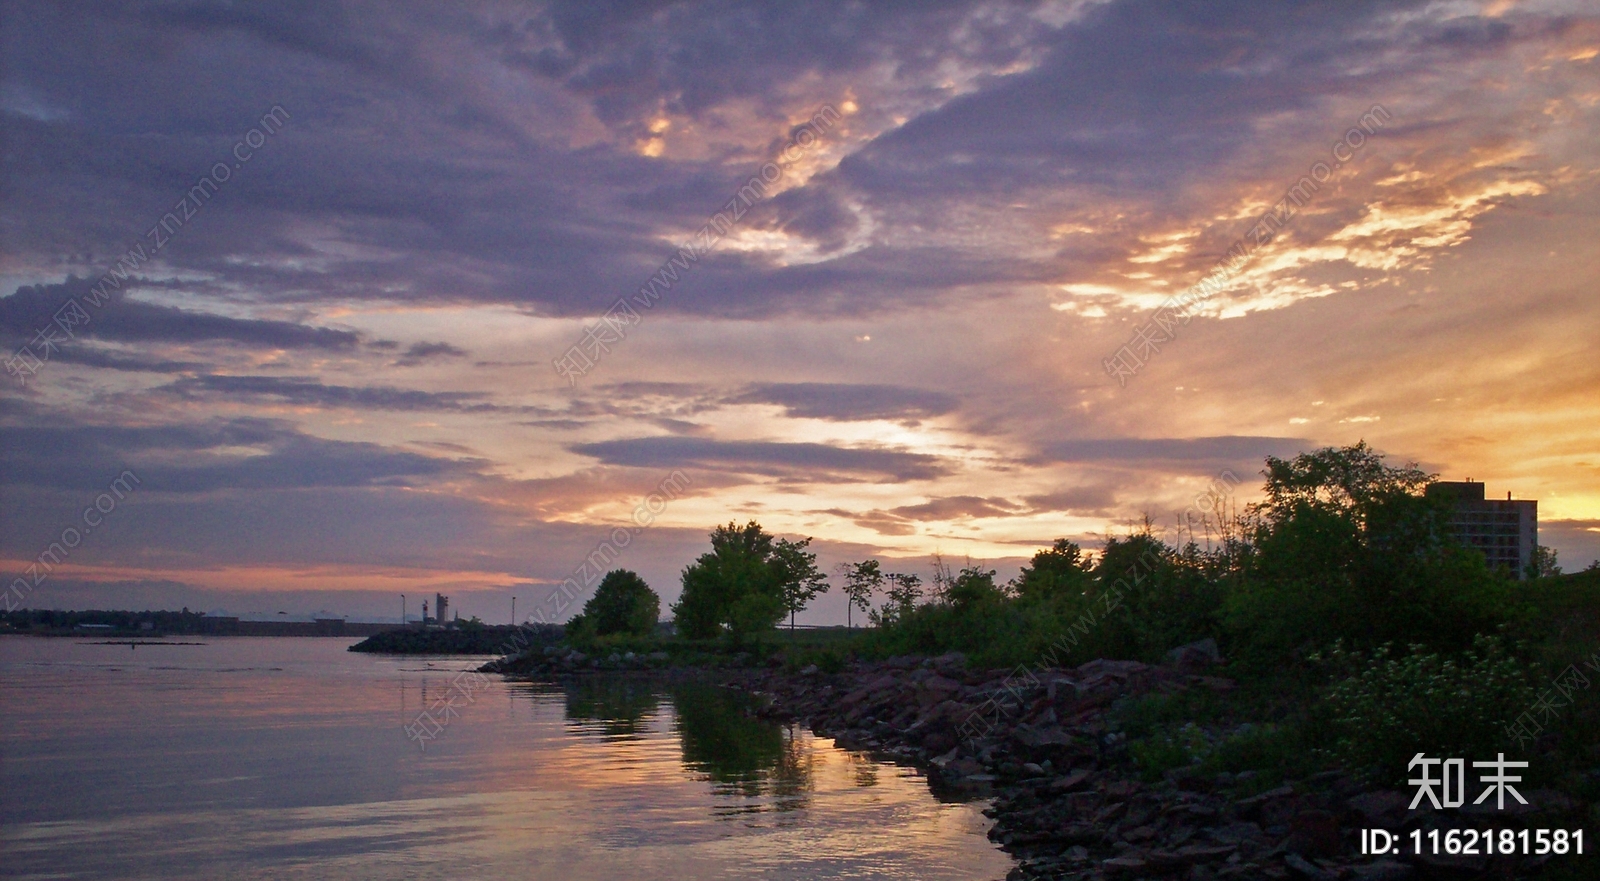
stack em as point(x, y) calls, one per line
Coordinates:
point(288, 758)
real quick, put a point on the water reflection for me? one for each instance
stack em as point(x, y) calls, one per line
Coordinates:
point(618, 708)
point(763, 765)
point(740, 754)
point(286, 758)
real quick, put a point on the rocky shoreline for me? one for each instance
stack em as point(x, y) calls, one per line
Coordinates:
point(1067, 800)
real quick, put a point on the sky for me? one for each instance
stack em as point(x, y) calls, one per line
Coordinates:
point(338, 283)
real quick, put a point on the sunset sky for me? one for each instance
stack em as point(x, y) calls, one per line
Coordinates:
point(335, 377)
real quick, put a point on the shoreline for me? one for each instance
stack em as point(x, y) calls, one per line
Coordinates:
point(1067, 800)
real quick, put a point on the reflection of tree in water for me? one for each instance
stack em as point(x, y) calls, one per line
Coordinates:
point(863, 769)
point(741, 755)
point(618, 707)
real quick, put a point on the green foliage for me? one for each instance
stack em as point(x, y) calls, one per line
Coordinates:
point(904, 591)
point(1345, 481)
point(1389, 709)
point(1346, 547)
point(861, 581)
point(1543, 564)
point(1060, 571)
point(1166, 750)
point(1149, 598)
point(745, 584)
point(623, 603)
point(1343, 547)
point(827, 660)
point(797, 574)
point(967, 589)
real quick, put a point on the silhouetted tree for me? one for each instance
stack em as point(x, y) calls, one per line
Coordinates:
point(1061, 570)
point(746, 583)
point(861, 581)
point(623, 603)
point(798, 575)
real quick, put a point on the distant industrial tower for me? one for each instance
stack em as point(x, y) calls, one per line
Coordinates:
point(441, 605)
point(1505, 531)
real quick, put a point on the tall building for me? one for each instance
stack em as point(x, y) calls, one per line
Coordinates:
point(441, 605)
point(1506, 531)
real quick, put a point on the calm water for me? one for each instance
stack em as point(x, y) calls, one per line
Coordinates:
point(288, 758)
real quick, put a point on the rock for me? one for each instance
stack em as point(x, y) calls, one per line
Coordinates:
point(1070, 781)
point(1199, 853)
point(1033, 738)
point(1190, 778)
point(1314, 834)
point(1382, 870)
point(1216, 683)
point(1451, 864)
point(1139, 833)
point(1303, 868)
point(809, 670)
point(1251, 807)
point(964, 767)
point(939, 741)
point(1113, 669)
point(1196, 655)
point(936, 689)
point(1125, 866)
point(1380, 808)
point(1235, 833)
point(1122, 788)
point(1032, 769)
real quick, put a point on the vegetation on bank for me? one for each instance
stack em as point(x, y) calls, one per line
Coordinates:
point(1358, 630)
point(479, 640)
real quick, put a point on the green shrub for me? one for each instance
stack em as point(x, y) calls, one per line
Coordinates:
point(1391, 708)
point(1165, 750)
point(622, 604)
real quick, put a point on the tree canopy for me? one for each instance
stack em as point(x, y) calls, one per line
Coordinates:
point(1062, 569)
point(746, 583)
point(623, 603)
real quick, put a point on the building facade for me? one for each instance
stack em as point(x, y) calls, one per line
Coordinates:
point(1506, 531)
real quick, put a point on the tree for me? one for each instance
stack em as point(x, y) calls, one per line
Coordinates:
point(904, 591)
point(1348, 547)
point(623, 603)
point(972, 586)
point(1346, 481)
point(1061, 570)
point(1543, 564)
point(746, 583)
point(797, 574)
point(861, 581)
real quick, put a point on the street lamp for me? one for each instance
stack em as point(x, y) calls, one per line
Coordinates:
point(513, 611)
point(402, 610)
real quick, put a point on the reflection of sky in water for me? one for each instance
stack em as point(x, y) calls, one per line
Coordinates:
point(285, 758)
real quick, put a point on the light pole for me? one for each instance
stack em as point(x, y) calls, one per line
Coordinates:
point(513, 610)
point(402, 610)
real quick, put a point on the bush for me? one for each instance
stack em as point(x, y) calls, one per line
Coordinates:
point(745, 584)
point(1394, 708)
point(622, 604)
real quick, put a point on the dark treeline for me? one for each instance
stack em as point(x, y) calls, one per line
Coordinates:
point(1359, 630)
point(1343, 548)
point(46, 620)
